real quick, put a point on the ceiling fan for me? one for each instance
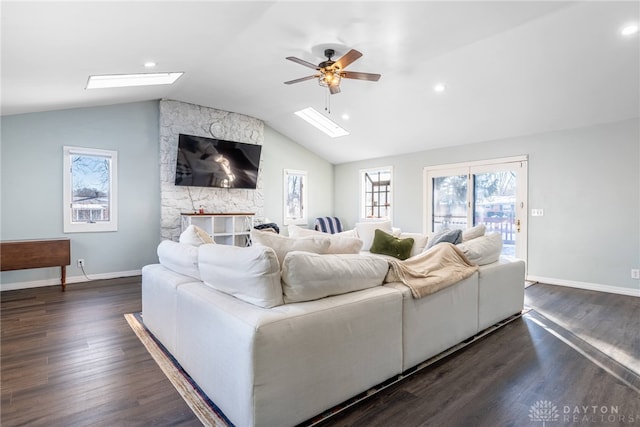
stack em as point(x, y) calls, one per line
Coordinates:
point(331, 72)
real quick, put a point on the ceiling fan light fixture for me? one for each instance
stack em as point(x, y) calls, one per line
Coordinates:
point(321, 122)
point(329, 78)
point(330, 73)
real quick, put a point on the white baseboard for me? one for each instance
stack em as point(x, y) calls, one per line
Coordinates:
point(587, 286)
point(72, 279)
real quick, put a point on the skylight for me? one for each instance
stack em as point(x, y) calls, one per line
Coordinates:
point(321, 122)
point(128, 80)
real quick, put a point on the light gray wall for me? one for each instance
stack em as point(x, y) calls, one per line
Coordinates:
point(279, 153)
point(32, 184)
point(587, 181)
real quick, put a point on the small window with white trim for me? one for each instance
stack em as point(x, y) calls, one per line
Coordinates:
point(295, 197)
point(90, 190)
point(376, 191)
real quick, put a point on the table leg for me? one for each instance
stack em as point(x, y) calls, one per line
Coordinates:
point(63, 276)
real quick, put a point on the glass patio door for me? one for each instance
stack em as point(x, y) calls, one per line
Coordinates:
point(450, 189)
point(493, 193)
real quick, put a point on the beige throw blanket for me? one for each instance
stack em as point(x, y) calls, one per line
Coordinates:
point(433, 270)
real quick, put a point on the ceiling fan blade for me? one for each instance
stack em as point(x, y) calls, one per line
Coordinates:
point(303, 62)
point(347, 59)
point(302, 79)
point(333, 89)
point(360, 76)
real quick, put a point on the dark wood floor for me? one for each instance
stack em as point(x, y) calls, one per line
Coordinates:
point(70, 359)
point(608, 322)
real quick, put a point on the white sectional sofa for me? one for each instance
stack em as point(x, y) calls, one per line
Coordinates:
point(269, 353)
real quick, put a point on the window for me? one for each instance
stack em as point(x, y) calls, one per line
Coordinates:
point(90, 190)
point(376, 193)
point(489, 192)
point(295, 197)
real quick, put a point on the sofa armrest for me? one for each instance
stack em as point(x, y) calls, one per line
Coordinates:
point(500, 291)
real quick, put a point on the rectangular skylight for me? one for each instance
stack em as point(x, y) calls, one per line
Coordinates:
point(127, 80)
point(321, 122)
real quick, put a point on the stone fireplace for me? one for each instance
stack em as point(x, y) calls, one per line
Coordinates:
point(178, 117)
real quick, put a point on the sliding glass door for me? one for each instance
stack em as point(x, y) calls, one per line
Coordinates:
point(493, 193)
point(450, 205)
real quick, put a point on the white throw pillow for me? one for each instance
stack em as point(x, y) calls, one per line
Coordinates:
point(419, 241)
point(474, 232)
point(307, 276)
point(297, 231)
point(366, 231)
point(483, 250)
point(341, 243)
point(282, 245)
point(348, 233)
point(179, 257)
point(344, 245)
point(194, 235)
point(251, 274)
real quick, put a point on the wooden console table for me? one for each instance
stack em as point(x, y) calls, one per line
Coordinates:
point(25, 254)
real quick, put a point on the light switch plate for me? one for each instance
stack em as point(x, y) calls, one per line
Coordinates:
point(537, 212)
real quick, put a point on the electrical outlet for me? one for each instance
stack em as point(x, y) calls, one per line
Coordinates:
point(635, 273)
point(80, 263)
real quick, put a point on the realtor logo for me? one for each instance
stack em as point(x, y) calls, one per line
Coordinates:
point(544, 411)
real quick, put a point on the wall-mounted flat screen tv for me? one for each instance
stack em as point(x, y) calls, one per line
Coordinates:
point(208, 162)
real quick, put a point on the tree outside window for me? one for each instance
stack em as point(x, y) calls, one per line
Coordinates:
point(90, 190)
point(295, 197)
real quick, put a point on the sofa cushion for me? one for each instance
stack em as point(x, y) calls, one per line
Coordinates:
point(179, 257)
point(194, 235)
point(308, 276)
point(483, 250)
point(345, 242)
point(449, 236)
point(283, 245)
point(251, 274)
point(474, 232)
point(386, 244)
point(366, 231)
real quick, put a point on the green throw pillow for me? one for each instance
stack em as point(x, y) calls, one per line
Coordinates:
point(386, 244)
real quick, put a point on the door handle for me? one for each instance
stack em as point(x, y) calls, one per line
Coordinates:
point(518, 226)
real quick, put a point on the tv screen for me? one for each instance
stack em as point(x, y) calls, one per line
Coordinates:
point(208, 162)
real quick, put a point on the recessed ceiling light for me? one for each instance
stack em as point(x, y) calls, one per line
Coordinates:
point(321, 122)
point(345, 116)
point(127, 80)
point(629, 30)
point(150, 64)
point(440, 87)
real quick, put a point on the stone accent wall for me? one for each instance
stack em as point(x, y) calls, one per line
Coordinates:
point(179, 117)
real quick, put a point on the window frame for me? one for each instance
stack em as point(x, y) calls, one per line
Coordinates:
point(71, 226)
point(363, 194)
point(297, 220)
point(519, 163)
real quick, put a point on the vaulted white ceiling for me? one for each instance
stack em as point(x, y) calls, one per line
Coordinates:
point(510, 68)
